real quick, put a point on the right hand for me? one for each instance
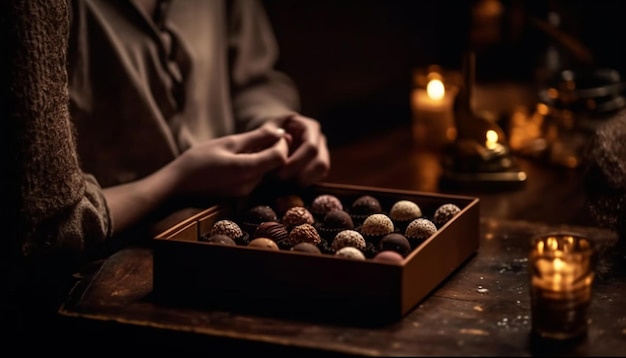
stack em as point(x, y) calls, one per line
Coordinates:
point(230, 166)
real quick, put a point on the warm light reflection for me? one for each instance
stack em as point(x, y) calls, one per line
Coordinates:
point(435, 89)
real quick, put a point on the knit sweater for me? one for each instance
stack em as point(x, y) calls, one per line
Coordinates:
point(53, 212)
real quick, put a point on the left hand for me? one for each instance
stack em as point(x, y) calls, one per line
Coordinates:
point(309, 158)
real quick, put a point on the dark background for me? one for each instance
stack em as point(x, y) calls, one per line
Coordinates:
point(353, 59)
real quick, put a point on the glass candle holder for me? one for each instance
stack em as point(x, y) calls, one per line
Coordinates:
point(561, 269)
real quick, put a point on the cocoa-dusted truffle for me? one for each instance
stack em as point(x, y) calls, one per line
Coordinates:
point(297, 215)
point(395, 242)
point(376, 226)
point(306, 247)
point(230, 229)
point(324, 203)
point(304, 233)
point(264, 243)
point(350, 253)
point(218, 239)
point(419, 230)
point(444, 213)
point(402, 212)
point(273, 230)
point(347, 238)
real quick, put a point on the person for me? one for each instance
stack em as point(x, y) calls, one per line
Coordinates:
point(155, 85)
point(58, 213)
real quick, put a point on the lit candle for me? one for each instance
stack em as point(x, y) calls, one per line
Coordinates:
point(433, 117)
point(561, 272)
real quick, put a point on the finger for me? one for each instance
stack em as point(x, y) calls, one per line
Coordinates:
point(257, 139)
point(268, 159)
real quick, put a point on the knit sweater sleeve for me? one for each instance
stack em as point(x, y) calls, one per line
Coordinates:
point(54, 206)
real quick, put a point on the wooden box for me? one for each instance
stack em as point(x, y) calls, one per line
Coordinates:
point(308, 286)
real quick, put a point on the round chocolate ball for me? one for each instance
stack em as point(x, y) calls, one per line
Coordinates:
point(259, 214)
point(228, 228)
point(337, 219)
point(347, 238)
point(395, 242)
point(419, 230)
point(263, 243)
point(389, 256)
point(350, 253)
point(304, 233)
point(376, 226)
point(297, 215)
point(324, 203)
point(365, 205)
point(306, 247)
point(219, 239)
point(272, 230)
point(444, 213)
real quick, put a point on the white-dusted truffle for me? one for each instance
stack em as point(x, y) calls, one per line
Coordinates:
point(351, 253)
point(377, 225)
point(420, 229)
point(405, 210)
point(347, 238)
point(228, 228)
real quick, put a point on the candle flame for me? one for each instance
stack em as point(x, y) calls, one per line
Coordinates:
point(435, 89)
point(492, 139)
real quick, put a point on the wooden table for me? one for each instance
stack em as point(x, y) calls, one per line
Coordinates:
point(482, 310)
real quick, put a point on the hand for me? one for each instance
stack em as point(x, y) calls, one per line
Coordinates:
point(232, 165)
point(309, 159)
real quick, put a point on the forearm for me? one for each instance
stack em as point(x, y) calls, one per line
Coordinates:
point(133, 202)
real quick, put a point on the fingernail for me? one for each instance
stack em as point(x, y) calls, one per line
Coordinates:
point(280, 131)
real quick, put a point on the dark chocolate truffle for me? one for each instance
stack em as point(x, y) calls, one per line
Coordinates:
point(218, 239)
point(334, 221)
point(365, 205)
point(395, 242)
point(256, 215)
point(273, 230)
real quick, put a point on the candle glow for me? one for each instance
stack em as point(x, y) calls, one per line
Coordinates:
point(435, 89)
point(492, 139)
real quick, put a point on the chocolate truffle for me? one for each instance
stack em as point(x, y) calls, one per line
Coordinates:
point(285, 202)
point(334, 221)
point(347, 238)
point(324, 203)
point(389, 256)
point(297, 215)
point(376, 226)
point(306, 247)
point(304, 233)
point(444, 213)
point(365, 205)
point(350, 253)
point(256, 215)
point(230, 229)
point(402, 212)
point(395, 242)
point(419, 230)
point(219, 239)
point(264, 243)
point(273, 230)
